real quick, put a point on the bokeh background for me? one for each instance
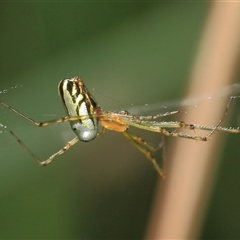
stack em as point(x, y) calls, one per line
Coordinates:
point(129, 54)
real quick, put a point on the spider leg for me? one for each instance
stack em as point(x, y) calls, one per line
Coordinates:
point(52, 157)
point(158, 115)
point(146, 149)
point(162, 127)
point(46, 123)
point(150, 117)
point(212, 129)
point(184, 135)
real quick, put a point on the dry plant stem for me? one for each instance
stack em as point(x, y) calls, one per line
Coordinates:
point(179, 207)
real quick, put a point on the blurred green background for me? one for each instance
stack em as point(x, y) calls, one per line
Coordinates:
point(128, 53)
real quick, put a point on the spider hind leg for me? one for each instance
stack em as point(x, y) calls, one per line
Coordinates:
point(52, 157)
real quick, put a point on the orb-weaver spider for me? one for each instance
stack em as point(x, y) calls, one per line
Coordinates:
point(84, 114)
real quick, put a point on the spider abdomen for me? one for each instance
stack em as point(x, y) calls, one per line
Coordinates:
point(79, 103)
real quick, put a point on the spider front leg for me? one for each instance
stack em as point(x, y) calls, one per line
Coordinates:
point(212, 129)
point(52, 157)
point(184, 135)
point(159, 115)
point(146, 149)
point(152, 117)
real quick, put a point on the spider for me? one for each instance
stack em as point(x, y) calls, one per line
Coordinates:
point(84, 116)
